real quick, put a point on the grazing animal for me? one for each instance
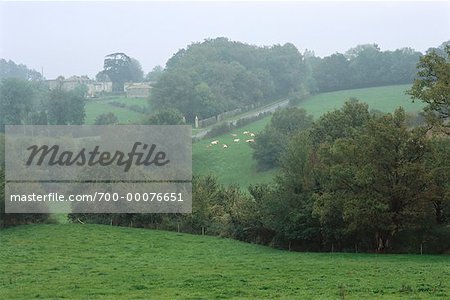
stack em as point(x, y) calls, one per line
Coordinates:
point(234, 135)
point(250, 141)
point(245, 132)
point(225, 146)
point(214, 142)
point(236, 140)
point(252, 134)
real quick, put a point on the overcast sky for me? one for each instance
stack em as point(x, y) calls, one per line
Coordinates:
point(73, 38)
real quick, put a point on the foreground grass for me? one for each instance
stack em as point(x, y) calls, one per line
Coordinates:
point(103, 262)
point(235, 165)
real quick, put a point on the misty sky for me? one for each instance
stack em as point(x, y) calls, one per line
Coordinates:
point(73, 38)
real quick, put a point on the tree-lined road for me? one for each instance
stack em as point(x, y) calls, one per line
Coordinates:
point(250, 114)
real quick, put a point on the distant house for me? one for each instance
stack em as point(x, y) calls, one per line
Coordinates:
point(137, 90)
point(69, 84)
point(96, 88)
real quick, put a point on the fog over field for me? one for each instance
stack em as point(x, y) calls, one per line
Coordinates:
point(72, 38)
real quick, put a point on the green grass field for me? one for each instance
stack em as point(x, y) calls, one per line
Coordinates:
point(385, 99)
point(235, 165)
point(232, 165)
point(98, 107)
point(104, 262)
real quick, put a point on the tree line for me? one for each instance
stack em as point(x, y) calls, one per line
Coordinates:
point(218, 75)
point(9, 69)
point(32, 103)
point(363, 66)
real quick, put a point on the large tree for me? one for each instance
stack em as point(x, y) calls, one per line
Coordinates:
point(340, 123)
point(332, 73)
point(272, 141)
point(136, 72)
point(66, 107)
point(175, 90)
point(154, 74)
point(293, 200)
point(116, 66)
point(381, 178)
point(168, 116)
point(439, 165)
point(16, 97)
point(121, 68)
point(433, 84)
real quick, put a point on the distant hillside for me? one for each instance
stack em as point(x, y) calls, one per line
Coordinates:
point(235, 164)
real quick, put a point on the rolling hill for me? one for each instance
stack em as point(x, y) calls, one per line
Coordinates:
point(235, 165)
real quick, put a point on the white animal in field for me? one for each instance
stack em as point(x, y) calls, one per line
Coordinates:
point(236, 140)
point(246, 132)
point(250, 141)
point(252, 134)
point(234, 135)
point(215, 142)
point(225, 146)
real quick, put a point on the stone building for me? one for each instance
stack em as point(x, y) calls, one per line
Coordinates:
point(137, 90)
point(95, 88)
point(69, 84)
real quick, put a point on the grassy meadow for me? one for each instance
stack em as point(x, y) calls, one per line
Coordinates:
point(75, 261)
point(235, 165)
point(385, 99)
point(125, 115)
point(232, 165)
